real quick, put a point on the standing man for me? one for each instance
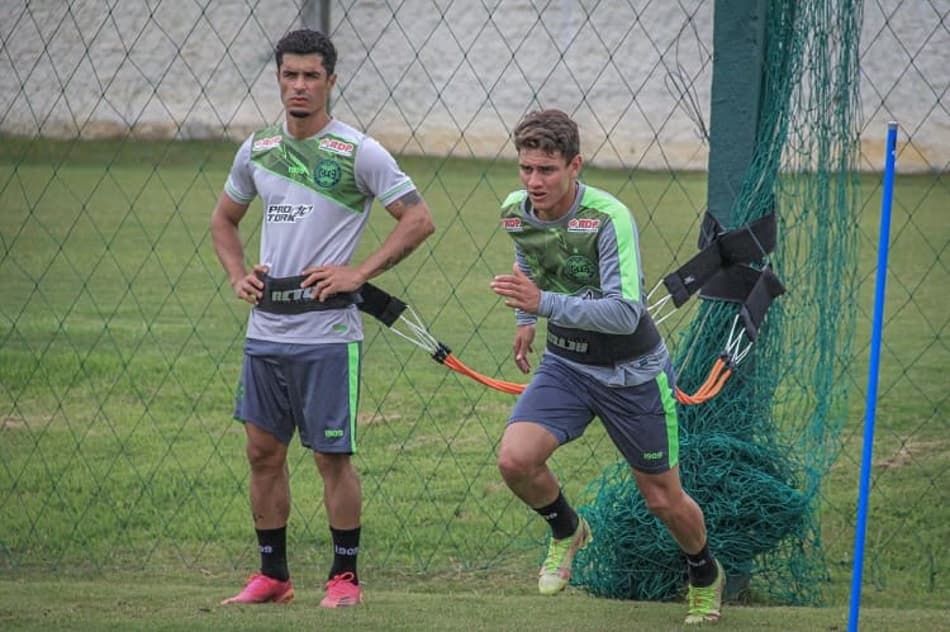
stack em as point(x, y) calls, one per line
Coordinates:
point(577, 263)
point(317, 178)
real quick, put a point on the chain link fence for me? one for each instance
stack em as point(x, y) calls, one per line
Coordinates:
point(121, 344)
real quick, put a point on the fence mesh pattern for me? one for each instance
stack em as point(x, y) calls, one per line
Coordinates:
point(120, 342)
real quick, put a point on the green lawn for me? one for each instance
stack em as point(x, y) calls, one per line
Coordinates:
point(148, 603)
point(120, 350)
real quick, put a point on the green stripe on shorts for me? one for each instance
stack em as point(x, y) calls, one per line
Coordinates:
point(353, 372)
point(672, 423)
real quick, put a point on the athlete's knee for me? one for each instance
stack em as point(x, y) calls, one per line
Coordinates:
point(334, 466)
point(524, 450)
point(265, 459)
point(514, 464)
point(661, 500)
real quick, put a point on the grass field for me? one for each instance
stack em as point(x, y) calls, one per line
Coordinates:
point(120, 350)
point(146, 603)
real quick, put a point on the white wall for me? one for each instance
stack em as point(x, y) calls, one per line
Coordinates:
point(449, 83)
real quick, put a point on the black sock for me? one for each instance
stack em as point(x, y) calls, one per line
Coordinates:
point(702, 568)
point(346, 546)
point(272, 544)
point(560, 516)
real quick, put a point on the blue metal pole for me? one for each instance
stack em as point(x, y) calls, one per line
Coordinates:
point(887, 195)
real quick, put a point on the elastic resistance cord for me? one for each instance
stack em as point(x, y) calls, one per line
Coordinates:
point(409, 326)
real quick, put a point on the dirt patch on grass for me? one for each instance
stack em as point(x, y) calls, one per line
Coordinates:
point(908, 452)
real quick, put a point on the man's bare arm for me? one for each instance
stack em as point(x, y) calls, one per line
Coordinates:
point(413, 225)
point(225, 218)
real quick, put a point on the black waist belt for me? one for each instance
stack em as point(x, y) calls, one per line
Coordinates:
point(283, 295)
point(594, 347)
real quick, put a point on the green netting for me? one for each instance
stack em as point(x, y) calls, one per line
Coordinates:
point(754, 456)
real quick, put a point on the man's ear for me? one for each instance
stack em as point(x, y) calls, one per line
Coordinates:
point(575, 164)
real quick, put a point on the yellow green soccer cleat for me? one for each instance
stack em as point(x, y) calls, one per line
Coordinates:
point(705, 603)
point(556, 570)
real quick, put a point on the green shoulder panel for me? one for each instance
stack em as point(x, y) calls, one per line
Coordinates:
point(626, 232)
point(562, 259)
point(513, 202)
point(323, 165)
point(566, 259)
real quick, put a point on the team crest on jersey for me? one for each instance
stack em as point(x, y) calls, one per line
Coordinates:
point(327, 173)
point(263, 144)
point(583, 225)
point(287, 213)
point(512, 224)
point(338, 147)
point(580, 269)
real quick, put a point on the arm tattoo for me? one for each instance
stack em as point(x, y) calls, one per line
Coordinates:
point(397, 208)
point(409, 199)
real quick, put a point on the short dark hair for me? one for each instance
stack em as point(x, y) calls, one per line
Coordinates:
point(307, 42)
point(550, 131)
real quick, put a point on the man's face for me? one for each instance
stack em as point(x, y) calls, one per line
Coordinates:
point(549, 180)
point(304, 84)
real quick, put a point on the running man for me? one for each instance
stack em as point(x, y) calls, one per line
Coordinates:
point(577, 263)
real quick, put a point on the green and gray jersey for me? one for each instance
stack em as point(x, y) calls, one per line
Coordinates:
point(317, 193)
point(587, 265)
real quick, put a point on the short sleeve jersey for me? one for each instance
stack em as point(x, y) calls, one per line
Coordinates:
point(569, 256)
point(592, 252)
point(317, 194)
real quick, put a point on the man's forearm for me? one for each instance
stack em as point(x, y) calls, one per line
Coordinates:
point(612, 315)
point(412, 229)
point(230, 250)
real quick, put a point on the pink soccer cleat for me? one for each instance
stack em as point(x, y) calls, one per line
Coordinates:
point(263, 589)
point(342, 592)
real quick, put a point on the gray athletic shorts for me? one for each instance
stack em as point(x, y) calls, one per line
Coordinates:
point(640, 420)
point(310, 388)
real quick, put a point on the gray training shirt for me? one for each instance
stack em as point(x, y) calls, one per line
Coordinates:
point(587, 265)
point(317, 194)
